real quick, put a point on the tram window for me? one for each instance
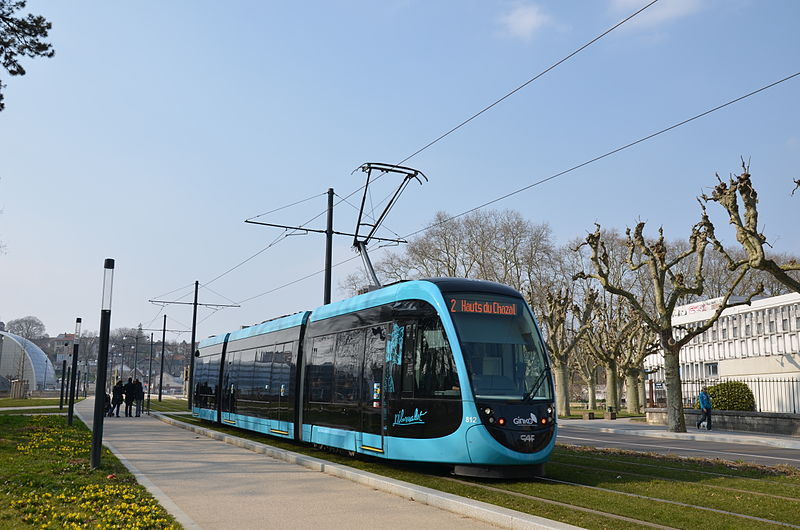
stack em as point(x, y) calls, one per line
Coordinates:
point(262, 371)
point(349, 352)
point(430, 370)
point(320, 370)
point(246, 381)
point(280, 369)
point(201, 383)
point(212, 378)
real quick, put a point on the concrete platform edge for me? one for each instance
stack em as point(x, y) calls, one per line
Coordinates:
point(481, 511)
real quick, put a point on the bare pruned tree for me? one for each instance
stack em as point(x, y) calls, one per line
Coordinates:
point(640, 343)
point(565, 322)
point(727, 195)
point(656, 304)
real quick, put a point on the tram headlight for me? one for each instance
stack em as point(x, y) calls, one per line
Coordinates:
point(487, 411)
point(501, 421)
point(550, 410)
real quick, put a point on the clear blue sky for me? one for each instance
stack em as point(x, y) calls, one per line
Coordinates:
point(159, 127)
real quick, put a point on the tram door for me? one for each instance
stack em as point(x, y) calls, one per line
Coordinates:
point(230, 390)
point(372, 392)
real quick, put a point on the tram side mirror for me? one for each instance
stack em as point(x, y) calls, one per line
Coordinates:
point(197, 353)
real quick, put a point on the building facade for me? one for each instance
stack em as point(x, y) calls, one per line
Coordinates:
point(758, 343)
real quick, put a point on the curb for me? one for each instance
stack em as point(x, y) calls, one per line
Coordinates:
point(481, 511)
point(727, 438)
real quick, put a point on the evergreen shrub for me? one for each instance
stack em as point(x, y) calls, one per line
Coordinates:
point(732, 395)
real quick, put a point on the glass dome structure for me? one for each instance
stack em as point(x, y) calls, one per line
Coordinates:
point(22, 359)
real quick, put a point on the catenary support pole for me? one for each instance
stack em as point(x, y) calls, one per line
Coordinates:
point(191, 351)
point(161, 373)
point(150, 374)
point(328, 248)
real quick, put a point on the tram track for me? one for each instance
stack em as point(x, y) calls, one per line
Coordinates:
point(674, 503)
point(627, 494)
point(558, 503)
point(787, 485)
point(707, 485)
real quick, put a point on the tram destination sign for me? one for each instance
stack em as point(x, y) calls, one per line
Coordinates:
point(483, 307)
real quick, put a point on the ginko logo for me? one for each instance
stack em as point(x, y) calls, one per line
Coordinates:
point(526, 421)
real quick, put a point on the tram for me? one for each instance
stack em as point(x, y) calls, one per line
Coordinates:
point(444, 370)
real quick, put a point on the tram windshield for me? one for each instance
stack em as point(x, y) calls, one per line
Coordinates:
point(502, 349)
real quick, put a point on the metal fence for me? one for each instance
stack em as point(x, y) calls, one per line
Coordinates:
point(771, 394)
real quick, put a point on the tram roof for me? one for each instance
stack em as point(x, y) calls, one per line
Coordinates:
point(428, 289)
point(269, 326)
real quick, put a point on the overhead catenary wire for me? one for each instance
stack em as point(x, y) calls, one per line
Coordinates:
point(556, 175)
point(288, 205)
point(440, 137)
point(606, 154)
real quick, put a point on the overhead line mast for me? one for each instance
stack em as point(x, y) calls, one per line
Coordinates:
point(194, 332)
point(359, 240)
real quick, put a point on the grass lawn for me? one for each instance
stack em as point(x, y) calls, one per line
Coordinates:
point(47, 481)
point(33, 411)
point(34, 402)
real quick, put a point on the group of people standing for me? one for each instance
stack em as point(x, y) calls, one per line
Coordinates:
point(130, 393)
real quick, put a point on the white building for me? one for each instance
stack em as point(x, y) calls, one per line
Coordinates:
point(759, 341)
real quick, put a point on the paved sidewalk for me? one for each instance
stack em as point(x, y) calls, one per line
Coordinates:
point(207, 483)
point(628, 426)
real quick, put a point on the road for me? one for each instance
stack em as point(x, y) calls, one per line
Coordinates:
point(706, 448)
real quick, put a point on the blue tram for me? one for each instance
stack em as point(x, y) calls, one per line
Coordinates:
point(442, 370)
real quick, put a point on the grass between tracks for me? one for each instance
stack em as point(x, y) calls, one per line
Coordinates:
point(670, 491)
point(47, 482)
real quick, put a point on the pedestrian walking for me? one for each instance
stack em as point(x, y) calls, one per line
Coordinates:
point(116, 398)
point(108, 407)
point(138, 396)
point(705, 407)
point(129, 395)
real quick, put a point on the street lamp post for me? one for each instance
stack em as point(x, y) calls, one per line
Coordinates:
point(121, 372)
point(135, 354)
point(74, 379)
point(150, 374)
point(102, 363)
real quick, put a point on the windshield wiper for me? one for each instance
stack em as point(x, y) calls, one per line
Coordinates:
point(536, 384)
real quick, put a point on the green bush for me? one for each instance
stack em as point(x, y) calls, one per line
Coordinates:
point(732, 395)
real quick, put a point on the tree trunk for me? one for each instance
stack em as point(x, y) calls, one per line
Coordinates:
point(562, 389)
point(611, 384)
point(642, 390)
point(675, 419)
point(632, 389)
point(593, 390)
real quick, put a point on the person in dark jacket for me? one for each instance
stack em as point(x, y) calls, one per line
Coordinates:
point(129, 395)
point(116, 398)
point(705, 406)
point(109, 408)
point(138, 396)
